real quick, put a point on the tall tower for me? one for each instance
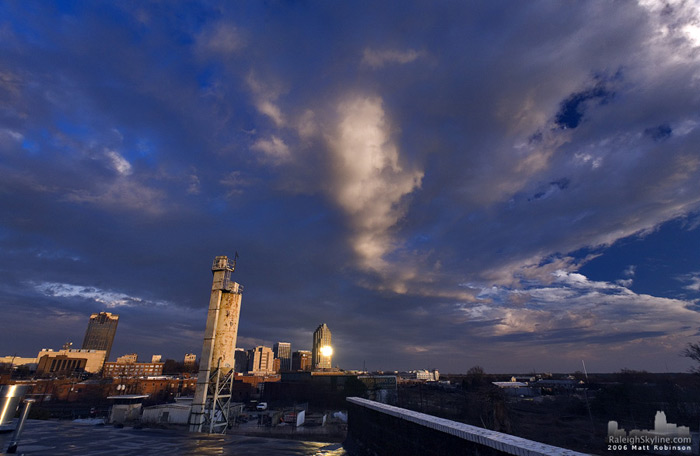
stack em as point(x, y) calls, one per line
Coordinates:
point(100, 332)
point(322, 349)
point(215, 379)
point(260, 360)
point(283, 351)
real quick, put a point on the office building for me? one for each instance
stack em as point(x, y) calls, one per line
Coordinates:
point(132, 369)
point(301, 360)
point(261, 360)
point(156, 358)
point(100, 332)
point(240, 363)
point(190, 359)
point(60, 366)
point(283, 352)
point(322, 352)
point(127, 359)
point(94, 359)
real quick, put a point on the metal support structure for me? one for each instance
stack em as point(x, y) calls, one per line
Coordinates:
point(12, 448)
point(220, 415)
point(215, 417)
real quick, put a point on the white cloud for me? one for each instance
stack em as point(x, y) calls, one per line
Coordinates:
point(596, 311)
point(119, 163)
point(222, 39)
point(378, 58)
point(265, 96)
point(369, 182)
point(194, 187)
point(273, 150)
point(692, 280)
point(121, 194)
point(236, 183)
point(108, 298)
point(15, 135)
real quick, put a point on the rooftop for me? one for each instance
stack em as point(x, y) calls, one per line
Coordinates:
point(65, 438)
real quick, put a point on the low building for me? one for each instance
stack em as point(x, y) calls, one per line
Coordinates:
point(166, 414)
point(424, 375)
point(190, 360)
point(132, 369)
point(128, 359)
point(126, 408)
point(94, 359)
point(15, 361)
point(61, 366)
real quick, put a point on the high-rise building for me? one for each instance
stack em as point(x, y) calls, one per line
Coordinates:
point(261, 360)
point(301, 360)
point(322, 352)
point(100, 332)
point(240, 364)
point(283, 352)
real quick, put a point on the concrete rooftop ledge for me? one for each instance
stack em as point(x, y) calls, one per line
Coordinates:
point(502, 442)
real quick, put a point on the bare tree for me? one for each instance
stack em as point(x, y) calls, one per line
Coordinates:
point(692, 351)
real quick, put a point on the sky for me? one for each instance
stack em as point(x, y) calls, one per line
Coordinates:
point(512, 185)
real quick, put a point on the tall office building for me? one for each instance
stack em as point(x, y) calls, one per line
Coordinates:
point(322, 350)
point(240, 363)
point(301, 360)
point(260, 360)
point(283, 352)
point(100, 332)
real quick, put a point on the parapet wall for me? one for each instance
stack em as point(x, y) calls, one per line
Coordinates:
point(379, 429)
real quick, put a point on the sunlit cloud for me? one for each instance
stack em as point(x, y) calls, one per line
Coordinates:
point(265, 96)
point(273, 150)
point(108, 298)
point(370, 182)
point(597, 311)
point(119, 163)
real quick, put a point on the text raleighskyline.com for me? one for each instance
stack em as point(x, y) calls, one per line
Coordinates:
point(664, 433)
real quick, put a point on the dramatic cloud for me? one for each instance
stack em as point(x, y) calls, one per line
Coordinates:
point(369, 180)
point(108, 299)
point(453, 183)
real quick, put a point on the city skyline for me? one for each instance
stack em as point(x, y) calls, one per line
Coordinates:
point(510, 185)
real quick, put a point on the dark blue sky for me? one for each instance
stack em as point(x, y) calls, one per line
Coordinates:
point(505, 184)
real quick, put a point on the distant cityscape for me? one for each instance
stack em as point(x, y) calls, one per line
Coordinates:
point(225, 387)
point(93, 356)
point(69, 373)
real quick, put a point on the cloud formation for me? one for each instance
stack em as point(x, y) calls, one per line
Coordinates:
point(369, 182)
point(445, 174)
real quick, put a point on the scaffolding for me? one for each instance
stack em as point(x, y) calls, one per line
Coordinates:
point(216, 418)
